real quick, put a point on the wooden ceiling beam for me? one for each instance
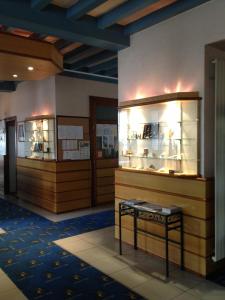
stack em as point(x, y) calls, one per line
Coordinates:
point(80, 9)
point(122, 11)
point(162, 15)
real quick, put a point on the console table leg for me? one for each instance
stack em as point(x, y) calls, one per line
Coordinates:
point(181, 243)
point(167, 249)
point(135, 230)
point(120, 230)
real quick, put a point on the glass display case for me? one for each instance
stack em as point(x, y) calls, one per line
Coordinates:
point(160, 137)
point(40, 139)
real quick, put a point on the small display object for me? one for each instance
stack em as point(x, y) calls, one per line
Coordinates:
point(160, 137)
point(40, 139)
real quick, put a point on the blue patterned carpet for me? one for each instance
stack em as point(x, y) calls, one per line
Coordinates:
point(43, 270)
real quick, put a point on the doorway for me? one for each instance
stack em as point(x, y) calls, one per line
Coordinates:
point(104, 148)
point(10, 158)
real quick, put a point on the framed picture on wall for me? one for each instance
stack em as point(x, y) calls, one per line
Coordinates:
point(21, 132)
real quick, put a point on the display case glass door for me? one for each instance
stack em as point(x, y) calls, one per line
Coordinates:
point(161, 137)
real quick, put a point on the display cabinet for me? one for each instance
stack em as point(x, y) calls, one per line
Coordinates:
point(40, 138)
point(160, 134)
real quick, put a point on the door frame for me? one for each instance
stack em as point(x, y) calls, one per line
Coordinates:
point(8, 121)
point(93, 103)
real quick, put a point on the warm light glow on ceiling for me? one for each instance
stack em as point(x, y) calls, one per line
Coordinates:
point(30, 68)
point(15, 75)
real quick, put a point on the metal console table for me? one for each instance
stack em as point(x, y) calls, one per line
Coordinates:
point(171, 221)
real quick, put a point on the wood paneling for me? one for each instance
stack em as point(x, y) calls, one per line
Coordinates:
point(73, 205)
point(195, 196)
point(73, 176)
point(105, 7)
point(37, 164)
point(191, 188)
point(73, 166)
point(35, 173)
point(145, 11)
point(103, 181)
point(106, 163)
point(193, 243)
point(17, 53)
point(64, 3)
point(105, 172)
point(156, 246)
point(73, 195)
point(107, 198)
point(55, 186)
point(105, 189)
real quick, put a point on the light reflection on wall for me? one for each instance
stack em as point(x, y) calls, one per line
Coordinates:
point(144, 92)
point(42, 112)
point(178, 88)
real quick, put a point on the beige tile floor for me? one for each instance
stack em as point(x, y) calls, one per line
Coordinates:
point(137, 270)
point(8, 290)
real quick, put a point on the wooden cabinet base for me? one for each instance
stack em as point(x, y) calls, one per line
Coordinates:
point(56, 186)
point(194, 195)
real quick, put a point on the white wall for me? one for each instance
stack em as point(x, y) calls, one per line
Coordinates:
point(31, 98)
point(170, 56)
point(56, 95)
point(72, 95)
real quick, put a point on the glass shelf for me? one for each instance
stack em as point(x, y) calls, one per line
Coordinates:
point(169, 128)
point(40, 139)
point(149, 157)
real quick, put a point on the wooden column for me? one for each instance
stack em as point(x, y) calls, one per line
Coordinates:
point(194, 195)
point(55, 186)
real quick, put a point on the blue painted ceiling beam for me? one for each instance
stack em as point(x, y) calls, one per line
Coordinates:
point(75, 52)
point(79, 9)
point(93, 60)
point(40, 4)
point(53, 22)
point(113, 72)
point(86, 76)
point(8, 86)
point(104, 66)
point(123, 11)
point(162, 15)
point(78, 55)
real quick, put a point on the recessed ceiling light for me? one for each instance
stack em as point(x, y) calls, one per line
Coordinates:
point(15, 75)
point(30, 68)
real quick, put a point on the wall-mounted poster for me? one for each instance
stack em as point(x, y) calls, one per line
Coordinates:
point(73, 138)
point(70, 132)
point(84, 149)
point(2, 138)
